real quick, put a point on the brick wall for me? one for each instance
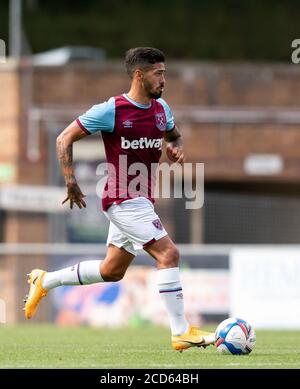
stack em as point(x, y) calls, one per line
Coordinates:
point(9, 114)
point(222, 147)
point(207, 84)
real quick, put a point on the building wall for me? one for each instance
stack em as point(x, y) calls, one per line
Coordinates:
point(188, 83)
point(9, 120)
point(222, 146)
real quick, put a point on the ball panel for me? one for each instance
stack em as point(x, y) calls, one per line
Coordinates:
point(236, 334)
point(244, 325)
point(236, 337)
point(219, 341)
point(233, 349)
point(251, 341)
point(224, 331)
point(224, 327)
point(244, 329)
point(223, 349)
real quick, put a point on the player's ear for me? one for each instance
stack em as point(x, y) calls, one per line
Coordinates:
point(139, 74)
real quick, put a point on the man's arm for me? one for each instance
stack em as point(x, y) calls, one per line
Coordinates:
point(174, 145)
point(64, 149)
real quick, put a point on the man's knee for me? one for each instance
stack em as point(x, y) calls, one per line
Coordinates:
point(170, 257)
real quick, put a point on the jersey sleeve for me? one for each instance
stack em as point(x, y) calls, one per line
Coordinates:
point(169, 115)
point(100, 117)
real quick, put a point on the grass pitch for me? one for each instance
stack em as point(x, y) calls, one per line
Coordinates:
point(48, 346)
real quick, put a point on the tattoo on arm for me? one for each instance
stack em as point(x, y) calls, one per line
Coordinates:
point(65, 156)
point(174, 137)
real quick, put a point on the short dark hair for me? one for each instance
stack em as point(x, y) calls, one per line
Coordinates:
point(142, 57)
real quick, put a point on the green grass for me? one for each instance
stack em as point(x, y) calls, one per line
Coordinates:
point(48, 346)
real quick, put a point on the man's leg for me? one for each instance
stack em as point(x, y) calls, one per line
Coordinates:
point(112, 268)
point(168, 279)
point(137, 221)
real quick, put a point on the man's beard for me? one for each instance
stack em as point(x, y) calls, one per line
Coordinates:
point(155, 95)
point(150, 93)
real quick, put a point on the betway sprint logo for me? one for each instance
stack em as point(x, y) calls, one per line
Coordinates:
point(142, 143)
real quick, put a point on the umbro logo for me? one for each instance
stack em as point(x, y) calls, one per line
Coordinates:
point(127, 124)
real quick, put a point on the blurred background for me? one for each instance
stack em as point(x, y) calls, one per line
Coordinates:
point(235, 95)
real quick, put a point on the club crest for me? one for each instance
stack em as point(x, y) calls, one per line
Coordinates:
point(160, 121)
point(157, 224)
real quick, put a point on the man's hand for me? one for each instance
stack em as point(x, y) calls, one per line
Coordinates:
point(75, 196)
point(175, 154)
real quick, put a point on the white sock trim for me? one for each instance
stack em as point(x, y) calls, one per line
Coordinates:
point(168, 276)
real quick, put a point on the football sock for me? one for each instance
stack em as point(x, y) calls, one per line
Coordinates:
point(83, 273)
point(170, 289)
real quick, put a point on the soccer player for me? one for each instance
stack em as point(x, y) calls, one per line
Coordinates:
point(133, 126)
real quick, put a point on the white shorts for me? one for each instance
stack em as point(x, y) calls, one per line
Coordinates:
point(133, 224)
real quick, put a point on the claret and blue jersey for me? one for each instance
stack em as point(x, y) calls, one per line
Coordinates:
point(102, 117)
point(129, 129)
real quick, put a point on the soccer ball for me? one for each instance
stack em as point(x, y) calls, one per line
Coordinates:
point(234, 336)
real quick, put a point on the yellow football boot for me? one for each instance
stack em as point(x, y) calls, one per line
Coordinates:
point(36, 292)
point(193, 337)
